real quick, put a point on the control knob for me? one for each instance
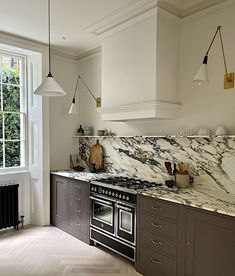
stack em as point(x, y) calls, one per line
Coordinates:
point(120, 196)
point(127, 198)
point(100, 190)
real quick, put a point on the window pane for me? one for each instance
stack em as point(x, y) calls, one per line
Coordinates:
point(1, 154)
point(12, 126)
point(1, 117)
point(12, 154)
point(11, 98)
point(10, 70)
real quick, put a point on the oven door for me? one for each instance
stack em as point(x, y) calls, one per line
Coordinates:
point(102, 214)
point(126, 220)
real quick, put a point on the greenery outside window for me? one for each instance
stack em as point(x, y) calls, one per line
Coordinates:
point(12, 111)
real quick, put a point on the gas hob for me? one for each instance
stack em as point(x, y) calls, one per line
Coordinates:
point(128, 182)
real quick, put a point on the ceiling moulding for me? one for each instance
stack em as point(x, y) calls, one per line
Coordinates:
point(183, 8)
point(120, 16)
point(149, 110)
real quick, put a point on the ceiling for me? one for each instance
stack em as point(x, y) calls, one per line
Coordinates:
point(76, 25)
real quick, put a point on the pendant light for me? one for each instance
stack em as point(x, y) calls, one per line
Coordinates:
point(202, 74)
point(73, 108)
point(50, 87)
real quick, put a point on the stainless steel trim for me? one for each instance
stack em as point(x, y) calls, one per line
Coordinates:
point(111, 247)
point(96, 228)
point(156, 225)
point(104, 197)
point(103, 204)
point(100, 200)
point(124, 208)
point(156, 261)
point(120, 226)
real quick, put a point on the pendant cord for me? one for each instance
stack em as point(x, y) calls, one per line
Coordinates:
point(49, 32)
point(222, 45)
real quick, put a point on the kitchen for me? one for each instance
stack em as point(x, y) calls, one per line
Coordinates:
point(142, 66)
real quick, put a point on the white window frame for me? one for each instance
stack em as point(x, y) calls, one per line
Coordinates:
point(23, 113)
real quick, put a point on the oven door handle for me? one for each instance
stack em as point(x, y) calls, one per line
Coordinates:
point(124, 208)
point(101, 200)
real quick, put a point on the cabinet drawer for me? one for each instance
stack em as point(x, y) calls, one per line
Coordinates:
point(159, 225)
point(159, 243)
point(152, 263)
point(158, 207)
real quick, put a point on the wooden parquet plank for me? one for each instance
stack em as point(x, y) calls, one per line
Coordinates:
point(48, 251)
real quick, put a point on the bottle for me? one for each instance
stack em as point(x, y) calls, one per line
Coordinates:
point(80, 130)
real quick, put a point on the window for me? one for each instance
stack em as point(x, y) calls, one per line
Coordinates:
point(12, 111)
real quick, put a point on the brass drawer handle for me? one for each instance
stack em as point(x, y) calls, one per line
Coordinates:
point(156, 208)
point(156, 225)
point(77, 211)
point(156, 261)
point(77, 198)
point(79, 187)
point(158, 243)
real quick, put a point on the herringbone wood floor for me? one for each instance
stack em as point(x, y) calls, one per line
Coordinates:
point(48, 251)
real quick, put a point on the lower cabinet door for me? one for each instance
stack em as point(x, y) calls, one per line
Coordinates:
point(210, 244)
point(153, 263)
point(59, 202)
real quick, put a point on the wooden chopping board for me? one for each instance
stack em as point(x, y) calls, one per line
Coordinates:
point(96, 156)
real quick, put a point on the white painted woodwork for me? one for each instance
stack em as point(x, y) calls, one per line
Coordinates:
point(139, 66)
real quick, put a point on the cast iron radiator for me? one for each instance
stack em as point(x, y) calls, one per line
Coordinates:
point(9, 213)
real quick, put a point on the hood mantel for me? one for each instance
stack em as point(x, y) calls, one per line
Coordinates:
point(140, 71)
point(147, 110)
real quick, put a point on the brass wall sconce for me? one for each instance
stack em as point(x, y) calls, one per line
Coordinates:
point(73, 109)
point(202, 74)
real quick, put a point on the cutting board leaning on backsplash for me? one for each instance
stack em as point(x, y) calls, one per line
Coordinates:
point(96, 156)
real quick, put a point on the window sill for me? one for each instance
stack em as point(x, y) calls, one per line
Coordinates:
point(13, 171)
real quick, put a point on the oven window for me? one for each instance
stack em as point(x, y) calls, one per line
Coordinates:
point(103, 213)
point(125, 220)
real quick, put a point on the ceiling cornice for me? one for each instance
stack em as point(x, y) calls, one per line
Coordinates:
point(120, 16)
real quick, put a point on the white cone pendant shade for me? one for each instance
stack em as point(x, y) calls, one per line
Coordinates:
point(50, 88)
point(202, 74)
point(73, 109)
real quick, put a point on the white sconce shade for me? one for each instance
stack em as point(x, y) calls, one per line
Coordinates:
point(202, 75)
point(50, 88)
point(73, 109)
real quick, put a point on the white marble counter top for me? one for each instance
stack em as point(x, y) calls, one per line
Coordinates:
point(203, 199)
point(210, 200)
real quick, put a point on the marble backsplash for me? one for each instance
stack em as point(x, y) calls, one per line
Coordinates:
point(212, 159)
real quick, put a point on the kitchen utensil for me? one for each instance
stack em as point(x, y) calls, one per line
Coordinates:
point(183, 168)
point(96, 156)
point(168, 167)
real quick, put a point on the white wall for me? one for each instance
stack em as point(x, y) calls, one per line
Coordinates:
point(62, 125)
point(23, 179)
point(207, 106)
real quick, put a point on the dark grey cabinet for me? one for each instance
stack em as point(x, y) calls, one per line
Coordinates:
point(174, 239)
point(70, 206)
point(160, 238)
point(59, 202)
point(210, 244)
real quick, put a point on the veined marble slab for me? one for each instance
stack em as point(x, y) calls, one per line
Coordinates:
point(202, 199)
point(212, 159)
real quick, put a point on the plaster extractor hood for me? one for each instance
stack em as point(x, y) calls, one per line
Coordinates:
point(140, 71)
point(140, 111)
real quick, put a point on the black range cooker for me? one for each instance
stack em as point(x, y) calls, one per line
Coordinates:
point(113, 213)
